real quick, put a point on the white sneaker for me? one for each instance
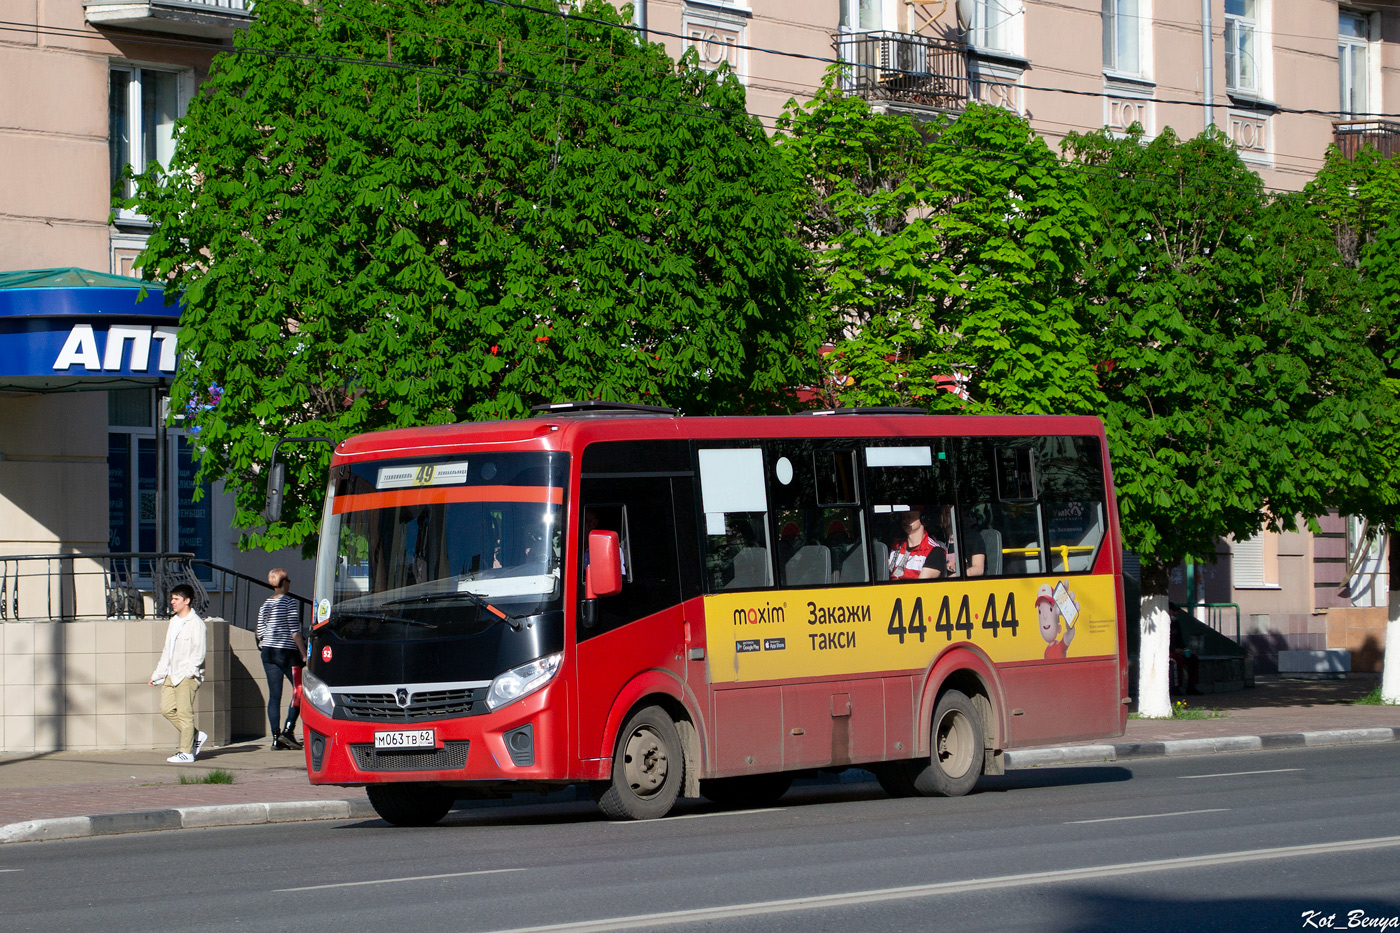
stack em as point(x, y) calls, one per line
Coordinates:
point(199, 740)
point(181, 758)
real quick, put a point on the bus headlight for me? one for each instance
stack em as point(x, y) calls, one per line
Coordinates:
point(315, 692)
point(522, 681)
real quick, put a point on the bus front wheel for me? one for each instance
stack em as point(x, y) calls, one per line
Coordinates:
point(410, 804)
point(647, 770)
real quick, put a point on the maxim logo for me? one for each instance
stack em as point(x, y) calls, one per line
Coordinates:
point(759, 615)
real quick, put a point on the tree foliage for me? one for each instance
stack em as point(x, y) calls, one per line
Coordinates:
point(435, 210)
point(1359, 200)
point(953, 249)
point(1238, 379)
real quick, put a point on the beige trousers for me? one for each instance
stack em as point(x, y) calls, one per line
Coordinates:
point(177, 705)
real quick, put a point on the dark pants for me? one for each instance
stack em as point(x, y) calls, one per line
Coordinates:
point(277, 664)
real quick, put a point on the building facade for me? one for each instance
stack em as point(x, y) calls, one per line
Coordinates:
point(92, 87)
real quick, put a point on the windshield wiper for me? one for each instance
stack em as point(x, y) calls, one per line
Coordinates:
point(376, 617)
point(480, 601)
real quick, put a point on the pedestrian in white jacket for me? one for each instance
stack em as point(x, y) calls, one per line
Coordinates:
point(181, 671)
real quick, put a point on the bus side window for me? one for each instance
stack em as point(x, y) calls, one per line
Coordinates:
point(816, 509)
point(734, 505)
point(981, 515)
point(1072, 501)
point(901, 478)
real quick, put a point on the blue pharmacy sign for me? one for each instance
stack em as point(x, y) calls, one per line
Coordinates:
point(70, 329)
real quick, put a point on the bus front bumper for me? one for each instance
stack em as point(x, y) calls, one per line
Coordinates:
point(519, 742)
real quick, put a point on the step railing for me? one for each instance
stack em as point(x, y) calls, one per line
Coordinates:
point(118, 585)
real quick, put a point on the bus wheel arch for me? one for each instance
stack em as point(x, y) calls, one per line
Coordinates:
point(648, 766)
point(969, 671)
point(656, 689)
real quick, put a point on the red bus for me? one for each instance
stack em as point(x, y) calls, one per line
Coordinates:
point(661, 606)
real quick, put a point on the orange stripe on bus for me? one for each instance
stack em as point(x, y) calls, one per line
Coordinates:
point(439, 495)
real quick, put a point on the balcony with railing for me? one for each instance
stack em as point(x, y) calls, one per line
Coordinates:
point(210, 19)
point(905, 68)
point(1353, 135)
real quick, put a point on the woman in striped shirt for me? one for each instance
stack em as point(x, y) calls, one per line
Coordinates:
point(283, 649)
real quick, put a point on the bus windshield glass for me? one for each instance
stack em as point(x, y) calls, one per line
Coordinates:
point(442, 543)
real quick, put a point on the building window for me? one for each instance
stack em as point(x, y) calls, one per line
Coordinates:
point(1353, 62)
point(142, 105)
point(132, 485)
point(1254, 562)
point(995, 25)
point(1242, 46)
point(1122, 32)
point(861, 15)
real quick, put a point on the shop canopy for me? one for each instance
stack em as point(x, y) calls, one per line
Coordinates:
point(72, 329)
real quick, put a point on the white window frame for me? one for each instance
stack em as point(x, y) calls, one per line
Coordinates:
point(997, 26)
point(1140, 31)
point(1348, 47)
point(134, 156)
point(1259, 48)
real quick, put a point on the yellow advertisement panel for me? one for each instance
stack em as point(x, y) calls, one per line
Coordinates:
point(776, 634)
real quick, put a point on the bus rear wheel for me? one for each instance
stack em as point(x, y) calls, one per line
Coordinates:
point(955, 758)
point(954, 764)
point(410, 804)
point(752, 790)
point(648, 768)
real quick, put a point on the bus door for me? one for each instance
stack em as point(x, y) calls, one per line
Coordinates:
point(640, 628)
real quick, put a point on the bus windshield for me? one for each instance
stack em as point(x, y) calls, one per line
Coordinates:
point(445, 543)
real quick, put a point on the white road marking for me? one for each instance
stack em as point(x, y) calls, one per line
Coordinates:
point(703, 816)
point(1193, 777)
point(3, 870)
point(1147, 816)
point(858, 898)
point(355, 884)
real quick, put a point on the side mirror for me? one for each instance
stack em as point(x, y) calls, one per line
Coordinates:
point(604, 574)
point(276, 483)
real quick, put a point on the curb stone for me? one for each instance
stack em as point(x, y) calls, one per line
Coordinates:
point(1128, 751)
point(252, 814)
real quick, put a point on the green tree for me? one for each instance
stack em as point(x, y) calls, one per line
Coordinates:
point(1359, 199)
point(1238, 378)
point(948, 249)
point(418, 212)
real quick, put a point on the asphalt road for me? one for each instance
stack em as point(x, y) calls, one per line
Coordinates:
point(1261, 841)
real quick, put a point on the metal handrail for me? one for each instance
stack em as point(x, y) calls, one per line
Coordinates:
point(123, 585)
point(238, 588)
point(1215, 617)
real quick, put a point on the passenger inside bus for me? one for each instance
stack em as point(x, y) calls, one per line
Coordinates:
point(972, 546)
point(917, 556)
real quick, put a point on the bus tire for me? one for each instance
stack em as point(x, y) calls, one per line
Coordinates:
point(956, 747)
point(410, 804)
point(648, 768)
point(754, 790)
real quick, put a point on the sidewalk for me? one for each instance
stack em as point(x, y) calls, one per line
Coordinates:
point(58, 795)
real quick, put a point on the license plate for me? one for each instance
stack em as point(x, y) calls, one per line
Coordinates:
point(405, 738)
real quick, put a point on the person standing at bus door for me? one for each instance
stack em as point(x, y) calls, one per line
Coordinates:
point(1056, 648)
point(283, 650)
point(918, 556)
point(180, 671)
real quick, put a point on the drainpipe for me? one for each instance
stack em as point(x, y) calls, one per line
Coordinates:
point(639, 17)
point(1208, 58)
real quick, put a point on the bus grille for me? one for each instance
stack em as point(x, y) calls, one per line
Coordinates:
point(424, 704)
point(451, 757)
